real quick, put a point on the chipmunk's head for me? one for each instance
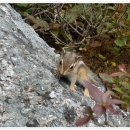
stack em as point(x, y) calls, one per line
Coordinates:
point(68, 62)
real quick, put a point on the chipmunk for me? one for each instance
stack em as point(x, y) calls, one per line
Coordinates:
point(72, 66)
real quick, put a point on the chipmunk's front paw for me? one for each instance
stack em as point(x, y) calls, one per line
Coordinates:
point(73, 88)
point(86, 93)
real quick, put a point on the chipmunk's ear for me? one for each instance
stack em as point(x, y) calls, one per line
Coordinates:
point(63, 52)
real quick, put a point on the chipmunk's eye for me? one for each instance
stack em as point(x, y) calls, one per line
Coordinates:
point(60, 62)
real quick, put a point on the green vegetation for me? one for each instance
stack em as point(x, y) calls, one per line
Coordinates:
point(74, 25)
point(120, 84)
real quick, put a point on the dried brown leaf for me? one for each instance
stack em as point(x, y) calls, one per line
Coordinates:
point(114, 101)
point(122, 68)
point(106, 96)
point(99, 109)
point(82, 121)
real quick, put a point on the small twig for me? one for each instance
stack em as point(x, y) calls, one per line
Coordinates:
point(39, 13)
point(82, 40)
point(69, 24)
point(86, 21)
point(68, 37)
point(58, 39)
point(74, 28)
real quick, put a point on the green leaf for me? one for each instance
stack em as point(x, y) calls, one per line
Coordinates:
point(30, 10)
point(37, 21)
point(116, 80)
point(71, 17)
point(109, 25)
point(119, 90)
point(102, 57)
point(128, 11)
point(120, 42)
point(42, 23)
point(128, 8)
point(73, 13)
point(106, 77)
point(126, 84)
point(128, 18)
point(66, 35)
point(126, 97)
point(22, 5)
point(124, 103)
point(55, 32)
point(58, 43)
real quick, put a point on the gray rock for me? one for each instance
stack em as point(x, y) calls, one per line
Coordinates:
point(30, 94)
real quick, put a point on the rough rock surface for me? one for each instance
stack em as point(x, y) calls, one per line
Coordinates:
point(30, 94)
